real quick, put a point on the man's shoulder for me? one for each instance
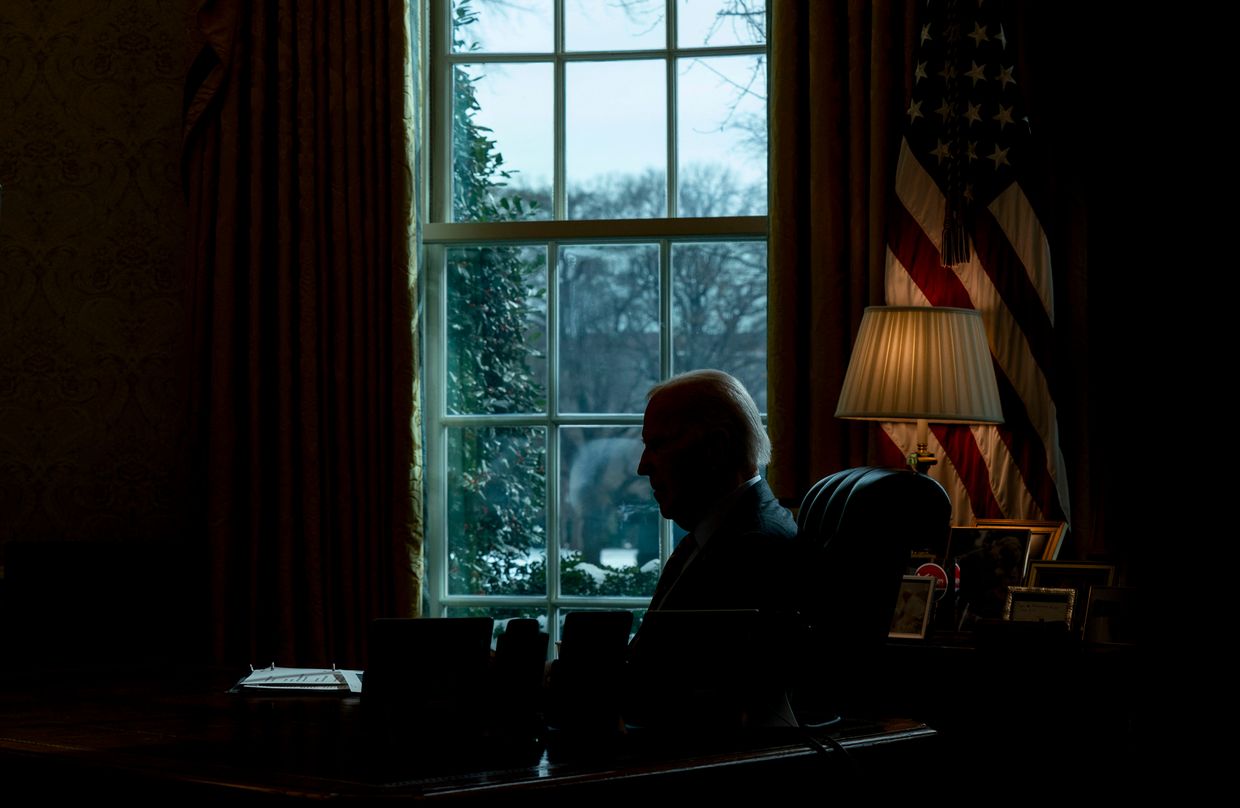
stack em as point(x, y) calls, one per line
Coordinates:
point(764, 516)
point(776, 521)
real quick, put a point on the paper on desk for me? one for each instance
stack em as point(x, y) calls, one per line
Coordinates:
point(324, 680)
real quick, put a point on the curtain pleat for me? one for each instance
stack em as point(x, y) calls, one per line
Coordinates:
point(837, 79)
point(298, 174)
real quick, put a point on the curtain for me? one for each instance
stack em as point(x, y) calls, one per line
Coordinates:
point(838, 77)
point(298, 174)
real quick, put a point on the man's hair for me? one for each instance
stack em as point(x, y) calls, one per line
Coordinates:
point(716, 401)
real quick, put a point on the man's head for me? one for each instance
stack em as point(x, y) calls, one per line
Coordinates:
point(703, 437)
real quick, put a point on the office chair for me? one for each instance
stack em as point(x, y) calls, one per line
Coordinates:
point(855, 531)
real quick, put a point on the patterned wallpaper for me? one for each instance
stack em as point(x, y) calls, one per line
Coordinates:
point(92, 319)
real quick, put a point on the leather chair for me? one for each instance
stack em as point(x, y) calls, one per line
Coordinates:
point(855, 531)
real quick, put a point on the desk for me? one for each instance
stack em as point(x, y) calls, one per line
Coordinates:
point(183, 737)
point(1058, 717)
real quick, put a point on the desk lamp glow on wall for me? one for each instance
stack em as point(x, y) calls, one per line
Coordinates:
point(922, 364)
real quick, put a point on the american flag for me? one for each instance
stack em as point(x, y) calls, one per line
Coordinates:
point(962, 233)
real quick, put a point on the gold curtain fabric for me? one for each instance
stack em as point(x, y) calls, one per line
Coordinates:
point(299, 178)
point(838, 74)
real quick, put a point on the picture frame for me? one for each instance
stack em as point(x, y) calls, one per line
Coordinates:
point(1081, 576)
point(1046, 537)
point(914, 602)
point(1111, 616)
point(1040, 604)
point(986, 561)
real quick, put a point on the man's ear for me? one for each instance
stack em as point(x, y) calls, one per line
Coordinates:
point(715, 449)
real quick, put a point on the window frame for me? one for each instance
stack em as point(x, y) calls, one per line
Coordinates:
point(439, 233)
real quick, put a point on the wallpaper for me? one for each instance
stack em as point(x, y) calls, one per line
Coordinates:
point(92, 323)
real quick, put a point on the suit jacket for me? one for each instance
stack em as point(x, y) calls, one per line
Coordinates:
point(747, 563)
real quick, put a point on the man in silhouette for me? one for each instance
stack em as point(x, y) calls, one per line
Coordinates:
point(703, 445)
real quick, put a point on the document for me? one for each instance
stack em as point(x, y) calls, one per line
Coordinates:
point(300, 680)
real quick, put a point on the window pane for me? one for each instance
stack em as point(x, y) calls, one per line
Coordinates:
point(489, 27)
point(497, 341)
point(627, 25)
point(720, 23)
point(496, 519)
point(501, 142)
point(616, 149)
point(719, 310)
point(721, 136)
point(609, 521)
point(609, 326)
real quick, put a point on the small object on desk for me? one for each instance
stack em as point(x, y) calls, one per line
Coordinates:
point(300, 680)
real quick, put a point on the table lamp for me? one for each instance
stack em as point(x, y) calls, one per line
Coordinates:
point(922, 364)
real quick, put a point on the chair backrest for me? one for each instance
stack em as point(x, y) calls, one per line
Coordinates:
point(855, 531)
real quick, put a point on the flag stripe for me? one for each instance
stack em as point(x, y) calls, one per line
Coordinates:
point(957, 441)
point(1013, 214)
point(1006, 480)
point(1027, 449)
point(919, 257)
point(1002, 265)
point(889, 451)
point(902, 434)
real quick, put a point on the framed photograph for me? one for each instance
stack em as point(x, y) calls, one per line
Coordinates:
point(1039, 604)
point(1078, 575)
point(986, 560)
point(1111, 615)
point(1046, 537)
point(913, 604)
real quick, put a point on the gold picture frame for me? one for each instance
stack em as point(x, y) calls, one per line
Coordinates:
point(1040, 604)
point(1080, 576)
point(1111, 616)
point(985, 561)
point(1046, 537)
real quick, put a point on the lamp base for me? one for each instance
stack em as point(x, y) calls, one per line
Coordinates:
point(922, 459)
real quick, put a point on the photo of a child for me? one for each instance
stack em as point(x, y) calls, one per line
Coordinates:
point(912, 614)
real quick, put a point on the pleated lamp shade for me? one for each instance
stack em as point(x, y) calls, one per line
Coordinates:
point(921, 363)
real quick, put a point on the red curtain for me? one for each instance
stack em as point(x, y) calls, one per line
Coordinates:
point(299, 182)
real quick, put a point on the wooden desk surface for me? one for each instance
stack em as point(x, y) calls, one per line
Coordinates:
point(182, 735)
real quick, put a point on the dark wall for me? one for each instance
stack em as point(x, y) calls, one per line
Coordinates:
point(92, 323)
point(91, 238)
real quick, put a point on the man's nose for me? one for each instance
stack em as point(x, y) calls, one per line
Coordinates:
point(643, 467)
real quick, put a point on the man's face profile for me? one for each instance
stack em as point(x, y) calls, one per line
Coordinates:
point(672, 460)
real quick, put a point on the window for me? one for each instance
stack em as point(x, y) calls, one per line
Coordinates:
point(597, 223)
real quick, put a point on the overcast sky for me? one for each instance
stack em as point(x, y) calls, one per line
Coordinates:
point(616, 118)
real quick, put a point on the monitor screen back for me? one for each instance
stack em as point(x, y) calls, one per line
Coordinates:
point(438, 666)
